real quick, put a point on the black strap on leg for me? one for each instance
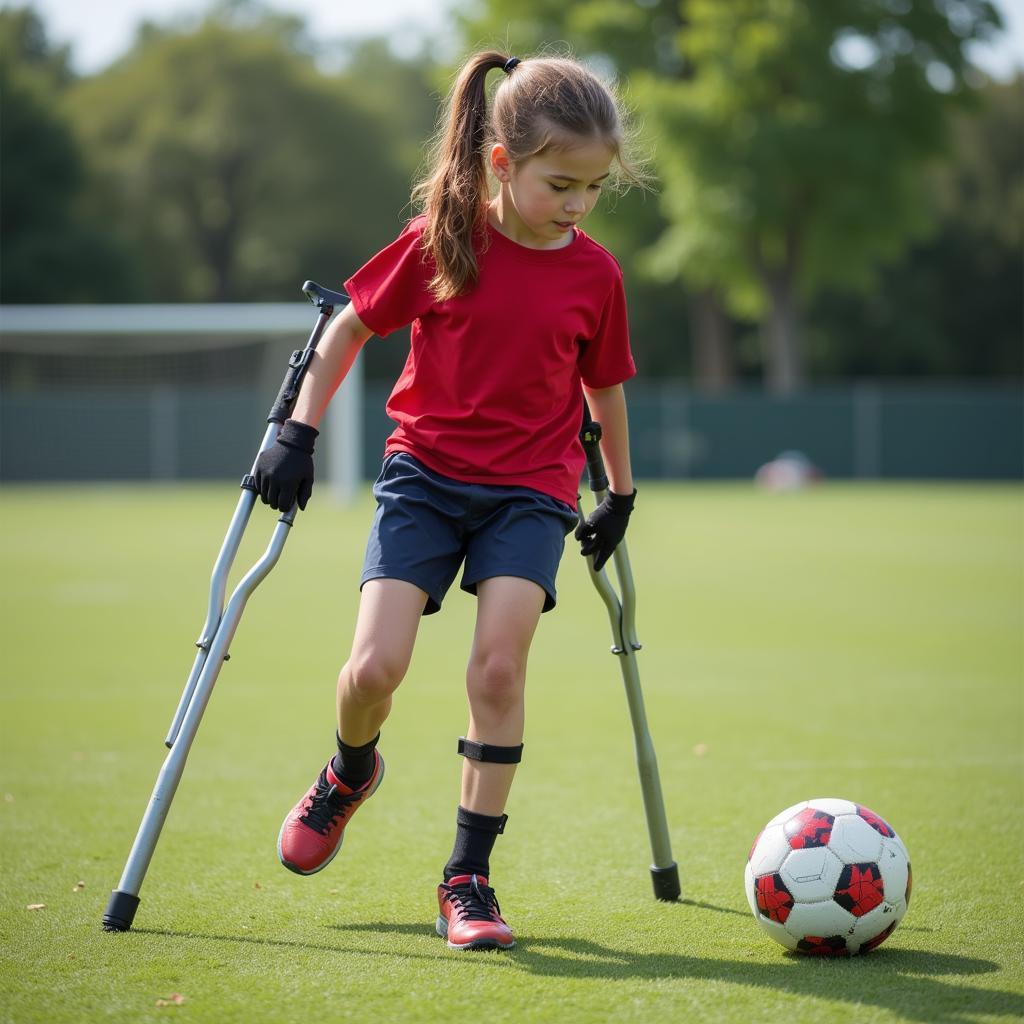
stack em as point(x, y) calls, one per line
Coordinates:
point(494, 826)
point(489, 752)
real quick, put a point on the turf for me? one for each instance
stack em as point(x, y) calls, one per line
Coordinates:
point(854, 641)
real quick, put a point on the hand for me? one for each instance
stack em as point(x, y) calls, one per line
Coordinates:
point(284, 472)
point(605, 527)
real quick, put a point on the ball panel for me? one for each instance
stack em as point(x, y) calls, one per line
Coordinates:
point(833, 806)
point(774, 900)
point(823, 919)
point(809, 828)
point(874, 943)
point(860, 889)
point(753, 845)
point(817, 945)
point(777, 932)
point(895, 871)
point(878, 824)
point(787, 814)
point(811, 875)
point(770, 851)
point(874, 928)
point(853, 840)
point(748, 888)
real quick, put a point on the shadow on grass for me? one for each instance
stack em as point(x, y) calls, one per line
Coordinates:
point(893, 979)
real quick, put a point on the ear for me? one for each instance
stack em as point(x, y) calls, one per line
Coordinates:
point(501, 162)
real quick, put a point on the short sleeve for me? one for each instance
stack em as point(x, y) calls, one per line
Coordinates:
point(606, 358)
point(391, 290)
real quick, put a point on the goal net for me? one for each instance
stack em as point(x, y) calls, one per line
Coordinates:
point(140, 392)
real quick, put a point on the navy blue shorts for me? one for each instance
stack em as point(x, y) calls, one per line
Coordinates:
point(427, 525)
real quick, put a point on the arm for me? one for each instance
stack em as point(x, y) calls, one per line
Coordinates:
point(283, 474)
point(608, 407)
point(331, 362)
point(605, 527)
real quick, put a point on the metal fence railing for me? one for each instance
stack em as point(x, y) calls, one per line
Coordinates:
point(865, 430)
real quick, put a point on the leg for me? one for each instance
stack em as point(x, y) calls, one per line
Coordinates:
point(389, 616)
point(508, 611)
point(389, 613)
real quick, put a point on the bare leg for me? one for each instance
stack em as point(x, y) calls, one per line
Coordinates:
point(389, 615)
point(508, 610)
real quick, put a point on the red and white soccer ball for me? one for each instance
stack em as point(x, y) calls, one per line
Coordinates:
point(828, 878)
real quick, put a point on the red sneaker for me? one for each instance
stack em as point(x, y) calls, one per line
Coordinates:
point(312, 833)
point(470, 917)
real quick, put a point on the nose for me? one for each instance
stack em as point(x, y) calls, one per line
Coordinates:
point(575, 206)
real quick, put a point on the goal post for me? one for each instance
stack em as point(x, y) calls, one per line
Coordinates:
point(157, 392)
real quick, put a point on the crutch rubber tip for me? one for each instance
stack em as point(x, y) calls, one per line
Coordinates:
point(120, 911)
point(666, 883)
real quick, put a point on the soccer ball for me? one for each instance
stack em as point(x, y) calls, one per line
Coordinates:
point(828, 878)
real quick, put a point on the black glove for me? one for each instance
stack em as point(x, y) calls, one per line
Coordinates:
point(284, 472)
point(605, 527)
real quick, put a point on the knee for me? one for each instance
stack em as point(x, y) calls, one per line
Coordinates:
point(495, 682)
point(372, 678)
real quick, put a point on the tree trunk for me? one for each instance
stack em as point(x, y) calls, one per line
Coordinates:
point(714, 368)
point(782, 336)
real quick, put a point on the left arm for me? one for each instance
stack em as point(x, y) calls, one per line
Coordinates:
point(608, 407)
point(605, 527)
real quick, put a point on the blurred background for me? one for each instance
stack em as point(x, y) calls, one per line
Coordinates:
point(830, 262)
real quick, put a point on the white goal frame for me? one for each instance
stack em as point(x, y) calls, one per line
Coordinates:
point(150, 329)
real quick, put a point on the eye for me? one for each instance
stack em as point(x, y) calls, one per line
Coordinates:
point(559, 188)
point(596, 188)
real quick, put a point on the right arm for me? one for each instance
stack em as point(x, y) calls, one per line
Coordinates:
point(331, 362)
point(283, 474)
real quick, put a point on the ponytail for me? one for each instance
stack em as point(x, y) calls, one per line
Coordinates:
point(455, 195)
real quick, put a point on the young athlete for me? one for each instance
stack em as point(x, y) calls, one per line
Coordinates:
point(516, 315)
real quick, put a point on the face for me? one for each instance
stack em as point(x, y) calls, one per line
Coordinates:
point(545, 196)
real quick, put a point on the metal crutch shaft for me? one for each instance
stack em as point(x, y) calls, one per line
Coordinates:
point(622, 616)
point(218, 630)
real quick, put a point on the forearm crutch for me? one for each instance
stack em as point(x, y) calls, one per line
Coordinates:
point(621, 613)
point(219, 628)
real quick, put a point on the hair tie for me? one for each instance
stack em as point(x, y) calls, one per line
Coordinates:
point(510, 64)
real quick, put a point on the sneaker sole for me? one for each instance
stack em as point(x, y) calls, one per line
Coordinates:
point(337, 849)
point(441, 927)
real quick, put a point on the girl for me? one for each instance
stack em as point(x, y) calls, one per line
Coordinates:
point(516, 314)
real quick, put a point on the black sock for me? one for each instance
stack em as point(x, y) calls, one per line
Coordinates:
point(474, 840)
point(354, 765)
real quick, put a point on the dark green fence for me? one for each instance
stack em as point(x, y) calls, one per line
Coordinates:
point(908, 431)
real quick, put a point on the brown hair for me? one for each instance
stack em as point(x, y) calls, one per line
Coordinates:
point(542, 103)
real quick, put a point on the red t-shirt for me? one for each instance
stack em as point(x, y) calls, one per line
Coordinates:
point(491, 390)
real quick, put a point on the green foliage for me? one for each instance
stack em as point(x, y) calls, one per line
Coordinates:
point(236, 168)
point(798, 144)
point(51, 249)
point(954, 305)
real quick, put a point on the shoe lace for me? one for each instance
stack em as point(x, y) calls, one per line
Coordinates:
point(475, 902)
point(326, 805)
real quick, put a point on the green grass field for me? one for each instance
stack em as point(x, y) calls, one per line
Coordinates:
point(854, 641)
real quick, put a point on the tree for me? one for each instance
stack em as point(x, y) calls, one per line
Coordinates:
point(794, 155)
point(234, 168)
point(954, 304)
point(51, 250)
